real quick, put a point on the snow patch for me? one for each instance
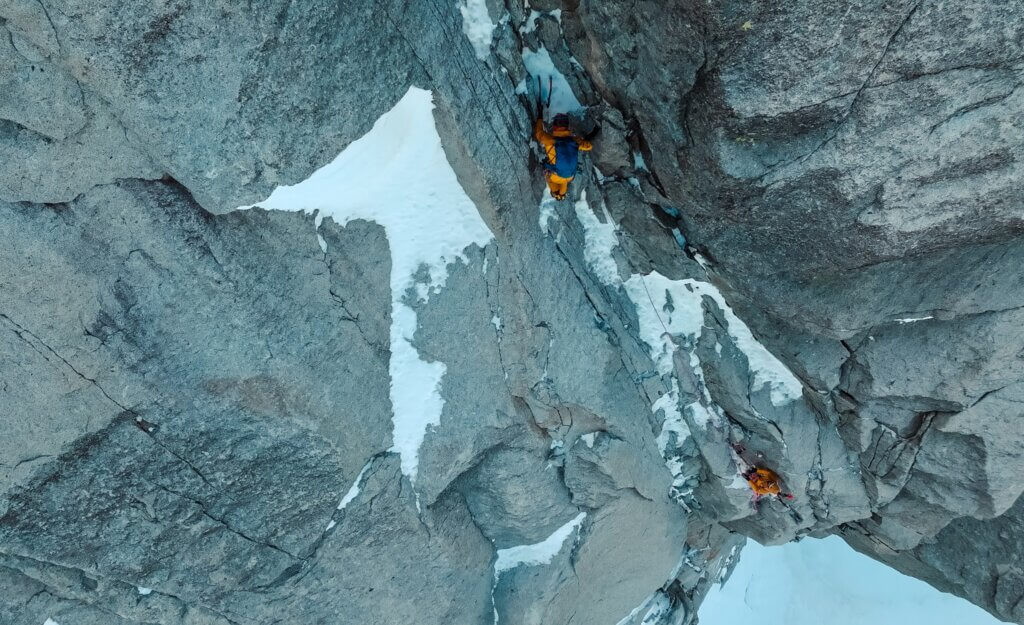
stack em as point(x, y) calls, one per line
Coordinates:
point(143, 590)
point(50, 621)
point(667, 308)
point(700, 414)
point(588, 439)
point(532, 555)
point(429, 221)
point(353, 492)
point(598, 242)
point(319, 219)
point(538, 553)
point(739, 483)
point(477, 25)
point(496, 322)
point(330, 525)
point(539, 63)
point(547, 211)
point(914, 319)
point(629, 617)
point(673, 423)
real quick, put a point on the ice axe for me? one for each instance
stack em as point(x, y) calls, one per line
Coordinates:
point(541, 104)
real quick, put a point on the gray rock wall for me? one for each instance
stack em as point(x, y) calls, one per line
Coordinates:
point(189, 391)
point(850, 172)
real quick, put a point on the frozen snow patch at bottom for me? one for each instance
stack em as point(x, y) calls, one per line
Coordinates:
point(50, 621)
point(825, 582)
point(144, 591)
point(429, 221)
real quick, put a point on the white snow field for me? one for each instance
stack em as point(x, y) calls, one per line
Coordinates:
point(825, 582)
point(397, 175)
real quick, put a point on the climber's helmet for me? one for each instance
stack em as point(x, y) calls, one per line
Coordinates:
point(560, 122)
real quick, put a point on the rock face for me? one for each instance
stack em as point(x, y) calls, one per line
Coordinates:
point(796, 245)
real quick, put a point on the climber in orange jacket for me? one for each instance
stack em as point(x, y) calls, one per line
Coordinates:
point(561, 151)
point(765, 482)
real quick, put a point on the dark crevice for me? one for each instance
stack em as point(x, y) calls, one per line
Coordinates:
point(20, 331)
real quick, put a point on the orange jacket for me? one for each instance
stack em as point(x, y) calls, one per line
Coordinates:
point(764, 481)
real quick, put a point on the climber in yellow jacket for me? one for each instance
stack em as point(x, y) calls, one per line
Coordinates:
point(561, 151)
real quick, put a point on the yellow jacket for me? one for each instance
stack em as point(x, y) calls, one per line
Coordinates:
point(547, 140)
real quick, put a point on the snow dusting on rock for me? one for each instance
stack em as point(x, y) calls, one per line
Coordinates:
point(477, 25)
point(537, 553)
point(674, 308)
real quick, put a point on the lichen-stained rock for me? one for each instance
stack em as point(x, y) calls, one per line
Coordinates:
point(125, 265)
point(643, 58)
point(388, 561)
point(964, 465)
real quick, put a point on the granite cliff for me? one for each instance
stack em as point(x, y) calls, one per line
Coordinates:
point(796, 244)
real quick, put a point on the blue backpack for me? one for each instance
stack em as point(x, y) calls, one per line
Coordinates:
point(567, 156)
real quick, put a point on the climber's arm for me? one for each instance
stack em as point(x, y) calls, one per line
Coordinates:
point(543, 137)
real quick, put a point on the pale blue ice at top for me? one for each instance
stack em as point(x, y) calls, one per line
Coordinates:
point(825, 582)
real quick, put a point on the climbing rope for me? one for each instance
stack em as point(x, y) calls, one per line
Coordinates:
point(653, 305)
